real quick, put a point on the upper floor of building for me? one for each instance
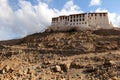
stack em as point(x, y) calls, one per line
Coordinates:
point(83, 19)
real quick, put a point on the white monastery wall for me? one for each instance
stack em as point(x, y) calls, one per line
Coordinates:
point(83, 21)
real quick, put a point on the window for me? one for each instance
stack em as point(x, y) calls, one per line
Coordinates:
point(91, 14)
point(85, 22)
point(80, 19)
point(95, 14)
point(104, 14)
point(77, 16)
point(83, 19)
point(73, 16)
point(70, 20)
point(100, 14)
point(83, 15)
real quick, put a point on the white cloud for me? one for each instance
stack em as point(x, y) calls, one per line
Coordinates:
point(95, 2)
point(29, 19)
point(46, 1)
point(70, 8)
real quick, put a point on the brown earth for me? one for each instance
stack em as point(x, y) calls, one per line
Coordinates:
point(88, 55)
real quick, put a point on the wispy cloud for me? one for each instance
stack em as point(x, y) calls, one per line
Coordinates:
point(95, 2)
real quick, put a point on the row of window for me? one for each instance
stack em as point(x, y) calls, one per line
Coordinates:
point(80, 19)
point(64, 18)
point(83, 15)
point(78, 23)
point(77, 16)
point(76, 20)
point(97, 14)
point(73, 16)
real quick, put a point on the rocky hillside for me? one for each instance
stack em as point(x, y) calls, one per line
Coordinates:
point(83, 55)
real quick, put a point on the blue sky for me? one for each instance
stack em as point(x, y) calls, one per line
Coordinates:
point(19, 18)
point(110, 5)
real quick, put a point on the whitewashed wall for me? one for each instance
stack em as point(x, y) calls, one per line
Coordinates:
point(90, 21)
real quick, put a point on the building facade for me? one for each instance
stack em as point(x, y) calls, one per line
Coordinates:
point(82, 20)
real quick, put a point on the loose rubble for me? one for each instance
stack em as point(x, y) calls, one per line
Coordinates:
point(84, 55)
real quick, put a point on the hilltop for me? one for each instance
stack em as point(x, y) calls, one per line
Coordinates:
point(72, 55)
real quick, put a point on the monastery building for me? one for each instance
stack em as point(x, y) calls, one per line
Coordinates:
point(81, 21)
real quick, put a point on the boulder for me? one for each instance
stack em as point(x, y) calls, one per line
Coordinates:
point(109, 63)
point(7, 69)
point(58, 68)
point(65, 65)
point(76, 65)
point(114, 78)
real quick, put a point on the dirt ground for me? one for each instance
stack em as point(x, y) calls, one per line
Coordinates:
point(83, 55)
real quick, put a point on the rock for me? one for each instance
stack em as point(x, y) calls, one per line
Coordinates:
point(48, 72)
point(109, 62)
point(21, 72)
point(112, 62)
point(14, 77)
point(6, 79)
point(30, 71)
point(76, 65)
point(58, 68)
point(3, 71)
point(62, 67)
point(63, 79)
point(114, 78)
point(112, 73)
point(89, 47)
point(90, 69)
point(65, 66)
point(6, 68)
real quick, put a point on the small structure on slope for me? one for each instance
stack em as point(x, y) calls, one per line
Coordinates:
point(82, 21)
